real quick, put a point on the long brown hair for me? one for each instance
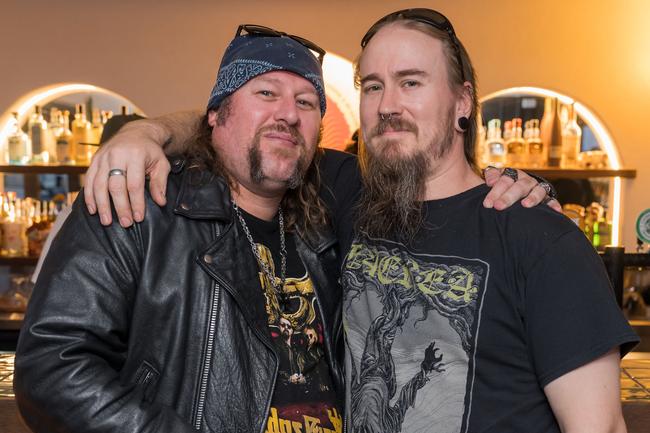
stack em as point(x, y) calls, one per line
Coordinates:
point(391, 202)
point(303, 208)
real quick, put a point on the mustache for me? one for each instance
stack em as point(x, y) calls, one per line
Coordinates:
point(395, 124)
point(285, 129)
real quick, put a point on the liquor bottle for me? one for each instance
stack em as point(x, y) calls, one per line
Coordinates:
point(14, 239)
point(55, 122)
point(516, 146)
point(507, 130)
point(19, 147)
point(106, 114)
point(571, 140)
point(552, 130)
point(536, 151)
point(546, 124)
point(602, 234)
point(124, 110)
point(39, 136)
point(39, 229)
point(97, 127)
point(527, 130)
point(81, 135)
point(495, 146)
point(64, 140)
point(54, 128)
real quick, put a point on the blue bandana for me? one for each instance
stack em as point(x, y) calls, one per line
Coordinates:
point(249, 56)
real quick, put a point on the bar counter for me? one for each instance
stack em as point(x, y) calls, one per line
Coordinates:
point(635, 394)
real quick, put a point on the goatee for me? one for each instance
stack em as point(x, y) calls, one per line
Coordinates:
point(394, 185)
point(255, 158)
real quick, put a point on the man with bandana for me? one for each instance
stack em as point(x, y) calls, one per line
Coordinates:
point(171, 325)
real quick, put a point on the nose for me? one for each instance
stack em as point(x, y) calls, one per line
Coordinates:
point(389, 105)
point(287, 111)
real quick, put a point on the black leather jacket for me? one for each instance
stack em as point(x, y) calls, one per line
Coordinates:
point(125, 326)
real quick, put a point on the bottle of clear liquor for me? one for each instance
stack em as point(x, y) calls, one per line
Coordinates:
point(54, 128)
point(40, 137)
point(55, 122)
point(516, 146)
point(81, 136)
point(536, 151)
point(19, 147)
point(64, 140)
point(571, 140)
point(495, 145)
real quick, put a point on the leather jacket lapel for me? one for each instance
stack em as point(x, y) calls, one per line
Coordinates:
point(230, 261)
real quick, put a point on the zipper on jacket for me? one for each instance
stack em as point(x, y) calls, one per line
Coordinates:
point(333, 356)
point(212, 324)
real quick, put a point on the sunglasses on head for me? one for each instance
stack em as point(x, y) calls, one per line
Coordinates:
point(255, 30)
point(427, 16)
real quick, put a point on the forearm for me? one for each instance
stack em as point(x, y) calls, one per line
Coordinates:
point(179, 128)
point(587, 399)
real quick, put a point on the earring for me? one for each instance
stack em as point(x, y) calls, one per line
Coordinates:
point(463, 123)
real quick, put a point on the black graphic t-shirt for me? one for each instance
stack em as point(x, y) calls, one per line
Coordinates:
point(304, 398)
point(460, 330)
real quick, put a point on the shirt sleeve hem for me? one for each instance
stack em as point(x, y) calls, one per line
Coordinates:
point(624, 341)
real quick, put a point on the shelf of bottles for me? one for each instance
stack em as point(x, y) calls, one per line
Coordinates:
point(25, 224)
point(48, 143)
point(51, 130)
point(551, 147)
point(57, 144)
point(558, 138)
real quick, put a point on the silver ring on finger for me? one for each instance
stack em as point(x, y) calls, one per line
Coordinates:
point(488, 168)
point(511, 173)
point(547, 187)
point(117, 172)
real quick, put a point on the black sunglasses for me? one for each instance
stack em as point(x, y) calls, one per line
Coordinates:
point(427, 16)
point(255, 30)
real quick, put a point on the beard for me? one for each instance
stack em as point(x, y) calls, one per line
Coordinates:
point(255, 156)
point(394, 185)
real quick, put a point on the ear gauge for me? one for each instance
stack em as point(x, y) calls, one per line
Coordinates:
point(463, 123)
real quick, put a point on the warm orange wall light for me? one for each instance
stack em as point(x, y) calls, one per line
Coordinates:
point(342, 117)
point(41, 96)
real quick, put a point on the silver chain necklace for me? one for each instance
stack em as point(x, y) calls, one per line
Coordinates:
point(262, 264)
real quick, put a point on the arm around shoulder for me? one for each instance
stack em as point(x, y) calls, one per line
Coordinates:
point(136, 151)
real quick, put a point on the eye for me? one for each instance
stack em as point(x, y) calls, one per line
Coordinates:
point(370, 88)
point(266, 93)
point(411, 83)
point(306, 103)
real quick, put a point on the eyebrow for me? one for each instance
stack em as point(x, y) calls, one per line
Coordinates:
point(278, 82)
point(398, 74)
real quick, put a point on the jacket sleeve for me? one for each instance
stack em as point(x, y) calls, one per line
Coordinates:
point(75, 336)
